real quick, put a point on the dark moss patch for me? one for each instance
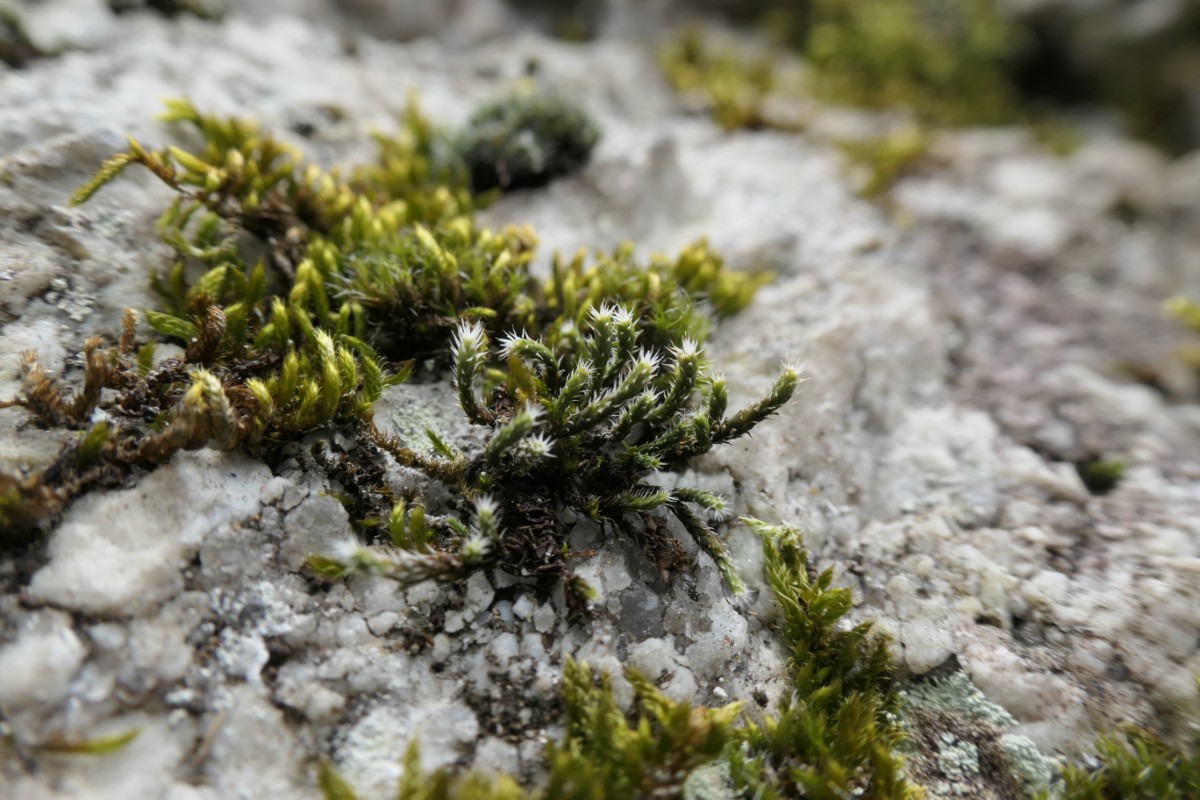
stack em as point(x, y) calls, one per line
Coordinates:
point(1101, 476)
point(525, 141)
point(16, 48)
point(203, 9)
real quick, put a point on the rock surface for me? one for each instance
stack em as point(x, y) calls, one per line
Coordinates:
point(968, 345)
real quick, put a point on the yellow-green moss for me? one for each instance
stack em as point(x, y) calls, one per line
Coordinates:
point(732, 85)
point(834, 736)
point(886, 159)
point(942, 59)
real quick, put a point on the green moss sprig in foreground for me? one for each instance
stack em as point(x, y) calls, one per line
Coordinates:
point(833, 737)
point(1134, 764)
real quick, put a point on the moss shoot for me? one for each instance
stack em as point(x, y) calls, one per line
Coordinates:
point(834, 736)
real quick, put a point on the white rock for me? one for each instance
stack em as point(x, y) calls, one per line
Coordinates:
point(39, 665)
point(120, 552)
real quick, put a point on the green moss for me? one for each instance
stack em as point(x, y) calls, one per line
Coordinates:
point(387, 260)
point(525, 141)
point(1101, 476)
point(16, 48)
point(580, 422)
point(732, 85)
point(945, 61)
point(1134, 764)
point(952, 63)
point(888, 158)
point(835, 736)
point(942, 60)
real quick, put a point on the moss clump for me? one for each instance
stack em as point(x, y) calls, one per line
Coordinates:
point(836, 735)
point(580, 423)
point(525, 141)
point(1101, 475)
point(946, 62)
point(281, 336)
point(833, 737)
point(1134, 764)
point(887, 159)
point(392, 253)
point(16, 48)
point(733, 86)
point(943, 60)
point(203, 9)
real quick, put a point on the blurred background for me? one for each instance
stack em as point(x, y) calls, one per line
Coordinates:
point(1130, 66)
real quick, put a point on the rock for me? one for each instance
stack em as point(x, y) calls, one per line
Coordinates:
point(963, 353)
point(38, 666)
point(121, 553)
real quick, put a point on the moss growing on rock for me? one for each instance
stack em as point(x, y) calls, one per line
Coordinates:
point(835, 736)
point(732, 85)
point(1134, 764)
point(387, 260)
point(579, 424)
point(525, 141)
point(942, 60)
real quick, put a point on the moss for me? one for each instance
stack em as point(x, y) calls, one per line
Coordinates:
point(203, 9)
point(732, 85)
point(16, 48)
point(387, 259)
point(943, 60)
point(887, 159)
point(578, 422)
point(1100, 475)
point(525, 141)
point(1134, 764)
point(834, 737)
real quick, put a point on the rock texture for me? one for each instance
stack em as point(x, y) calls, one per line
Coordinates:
point(969, 343)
